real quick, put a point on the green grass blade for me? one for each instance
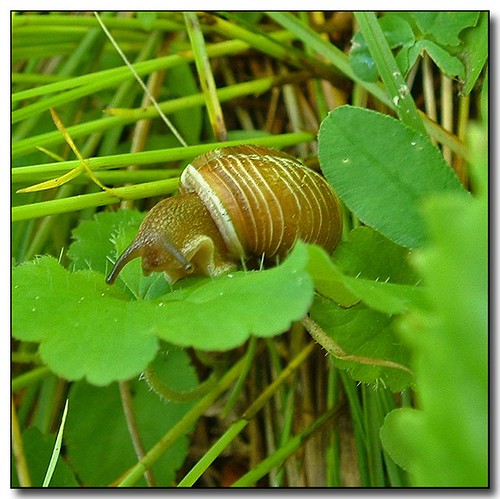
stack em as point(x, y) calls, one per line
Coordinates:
point(25, 173)
point(57, 449)
point(123, 117)
point(277, 458)
point(205, 75)
point(389, 71)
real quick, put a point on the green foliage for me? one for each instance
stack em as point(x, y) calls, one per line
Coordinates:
point(100, 436)
point(455, 41)
point(80, 322)
point(359, 305)
point(369, 255)
point(398, 34)
point(445, 442)
point(369, 338)
point(346, 290)
point(114, 338)
point(401, 305)
point(445, 27)
point(382, 171)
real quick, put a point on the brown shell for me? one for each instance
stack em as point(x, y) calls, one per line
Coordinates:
point(263, 200)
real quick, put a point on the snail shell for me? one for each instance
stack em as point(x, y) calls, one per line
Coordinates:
point(234, 203)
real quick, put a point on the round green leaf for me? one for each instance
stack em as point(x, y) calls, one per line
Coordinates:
point(83, 327)
point(382, 170)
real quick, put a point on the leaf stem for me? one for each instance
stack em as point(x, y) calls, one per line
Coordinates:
point(249, 356)
point(165, 392)
point(133, 429)
point(333, 348)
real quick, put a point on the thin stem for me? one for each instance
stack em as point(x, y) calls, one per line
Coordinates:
point(333, 348)
point(139, 80)
point(30, 377)
point(462, 126)
point(17, 448)
point(238, 387)
point(447, 111)
point(428, 88)
point(165, 392)
point(133, 428)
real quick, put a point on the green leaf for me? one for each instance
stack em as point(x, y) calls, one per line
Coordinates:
point(368, 341)
point(445, 443)
point(446, 62)
point(361, 61)
point(38, 449)
point(346, 291)
point(221, 313)
point(370, 255)
point(382, 171)
point(88, 329)
point(396, 423)
point(397, 32)
point(328, 279)
point(94, 240)
point(81, 322)
point(100, 241)
point(474, 53)
point(97, 441)
point(384, 296)
point(445, 27)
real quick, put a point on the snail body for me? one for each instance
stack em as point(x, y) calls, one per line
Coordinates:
point(234, 203)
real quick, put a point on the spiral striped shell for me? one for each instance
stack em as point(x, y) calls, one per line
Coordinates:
point(234, 202)
point(263, 200)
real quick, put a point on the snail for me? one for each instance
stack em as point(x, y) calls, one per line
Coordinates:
point(235, 203)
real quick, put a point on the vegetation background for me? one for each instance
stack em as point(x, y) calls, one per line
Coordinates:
point(217, 382)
